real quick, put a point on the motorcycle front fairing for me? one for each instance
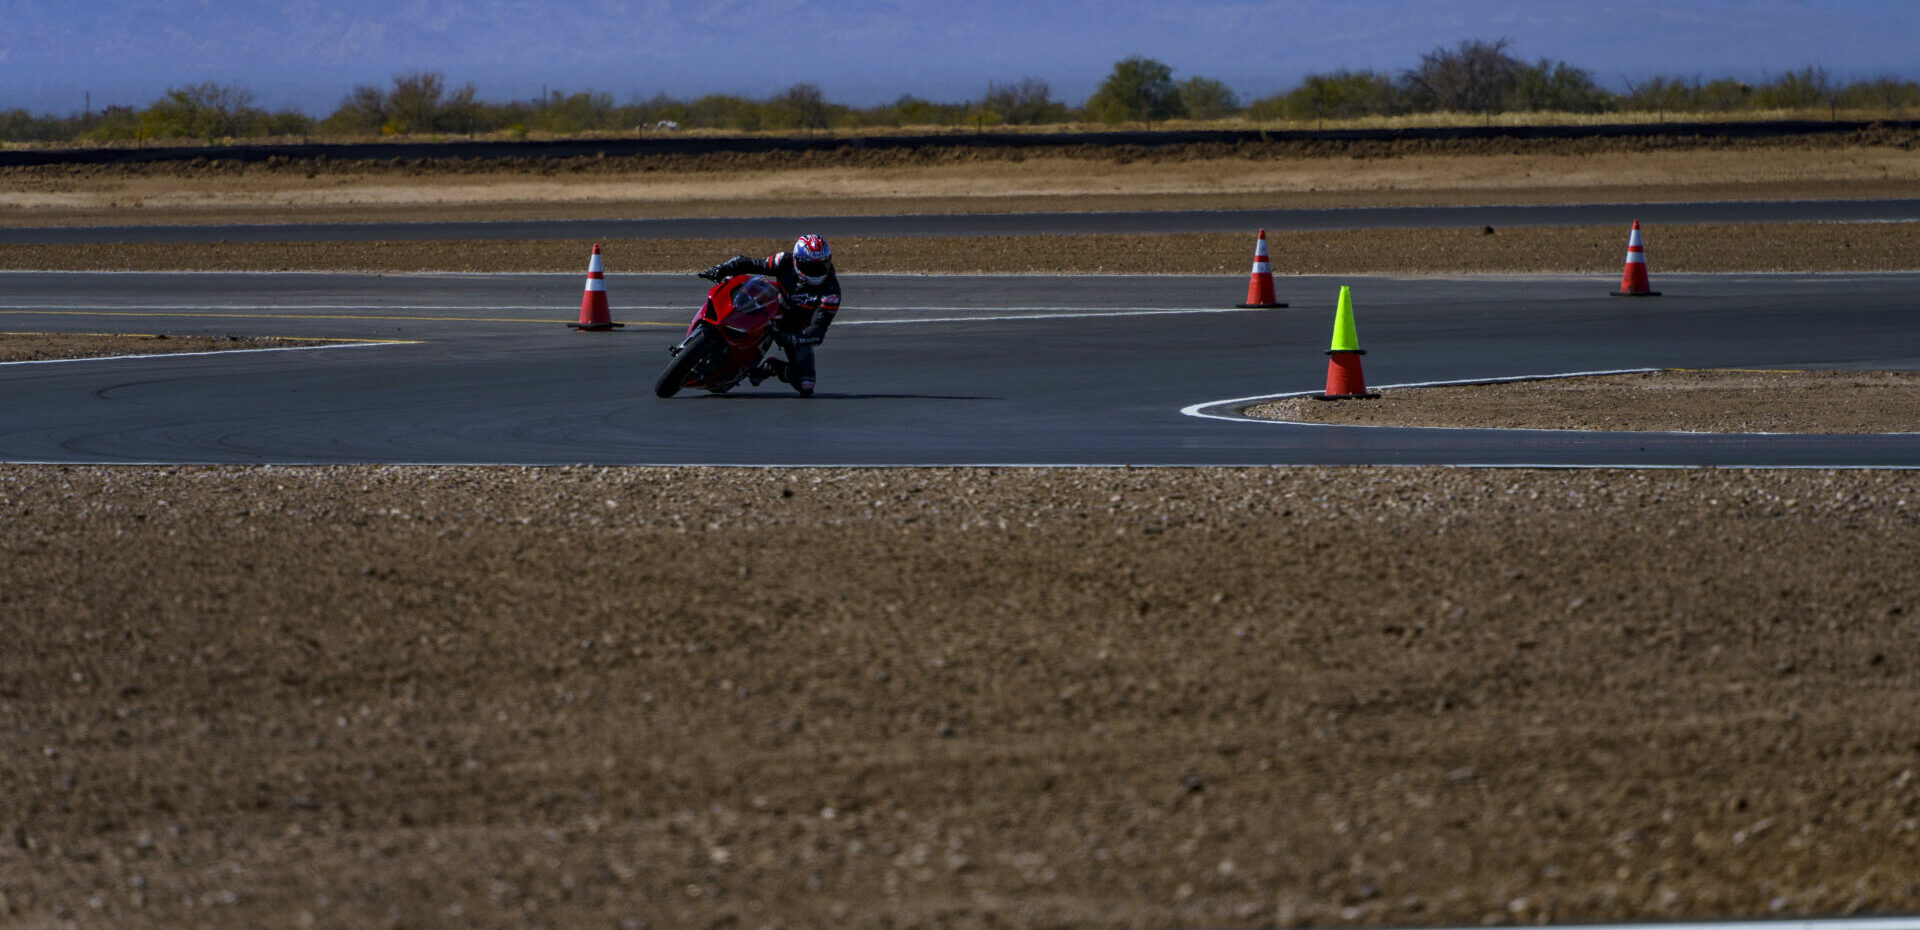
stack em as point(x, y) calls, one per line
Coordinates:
point(743, 306)
point(742, 311)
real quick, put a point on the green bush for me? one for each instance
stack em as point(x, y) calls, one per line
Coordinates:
point(1335, 95)
point(1139, 89)
point(1028, 101)
point(208, 111)
point(1206, 98)
point(1881, 93)
point(1476, 76)
point(1807, 87)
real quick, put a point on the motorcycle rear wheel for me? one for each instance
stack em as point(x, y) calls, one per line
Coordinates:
point(699, 347)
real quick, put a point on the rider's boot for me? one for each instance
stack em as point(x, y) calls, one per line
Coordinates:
point(799, 371)
point(770, 368)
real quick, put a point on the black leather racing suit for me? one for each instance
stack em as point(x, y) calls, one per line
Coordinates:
point(805, 314)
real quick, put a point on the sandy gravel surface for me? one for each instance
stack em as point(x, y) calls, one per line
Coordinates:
point(35, 347)
point(1706, 401)
point(628, 697)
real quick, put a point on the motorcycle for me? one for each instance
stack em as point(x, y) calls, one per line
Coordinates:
point(733, 332)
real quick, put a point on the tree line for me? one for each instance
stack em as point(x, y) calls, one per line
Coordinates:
point(1475, 77)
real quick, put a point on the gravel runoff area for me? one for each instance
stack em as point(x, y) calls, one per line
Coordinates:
point(41, 347)
point(1683, 400)
point(409, 697)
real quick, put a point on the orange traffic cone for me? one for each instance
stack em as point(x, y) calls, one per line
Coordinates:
point(1633, 280)
point(594, 314)
point(1344, 378)
point(1260, 286)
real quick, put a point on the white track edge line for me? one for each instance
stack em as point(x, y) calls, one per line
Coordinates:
point(1200, 410)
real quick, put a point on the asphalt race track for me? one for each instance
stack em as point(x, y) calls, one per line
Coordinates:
point(919, 370)
point(1007, 224)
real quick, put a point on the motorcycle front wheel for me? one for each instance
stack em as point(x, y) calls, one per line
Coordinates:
point(701, 346)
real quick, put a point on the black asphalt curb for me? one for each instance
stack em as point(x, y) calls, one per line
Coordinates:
point(661, 144)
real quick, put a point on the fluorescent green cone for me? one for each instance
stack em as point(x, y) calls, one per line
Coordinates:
point(1344, 339)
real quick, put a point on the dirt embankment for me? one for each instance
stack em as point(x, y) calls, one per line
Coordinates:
point(1105, 698)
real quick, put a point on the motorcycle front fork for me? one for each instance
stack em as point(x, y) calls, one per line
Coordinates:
point(675, 350)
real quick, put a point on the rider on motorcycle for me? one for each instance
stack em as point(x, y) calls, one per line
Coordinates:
point(812, 298)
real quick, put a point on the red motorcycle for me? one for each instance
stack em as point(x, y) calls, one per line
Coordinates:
point(731, 334)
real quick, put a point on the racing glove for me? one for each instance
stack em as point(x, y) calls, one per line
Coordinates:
point(739, 264)
point(816, 331)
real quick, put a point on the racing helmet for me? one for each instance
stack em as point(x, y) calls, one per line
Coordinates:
point(812, 259)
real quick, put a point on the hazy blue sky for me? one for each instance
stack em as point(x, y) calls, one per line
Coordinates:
point(310, 54)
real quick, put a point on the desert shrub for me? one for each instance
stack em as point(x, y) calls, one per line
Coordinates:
point(207, 110)
point(1555, 86)
point(1807, 87)
point(1138, 89)
point(1881, 93)
point(802, 106)
point(1333, 95)
point(1028, 101)
point(1206, 98)
point(1473, 77)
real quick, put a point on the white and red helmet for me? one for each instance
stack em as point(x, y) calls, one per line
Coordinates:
point(812, 259)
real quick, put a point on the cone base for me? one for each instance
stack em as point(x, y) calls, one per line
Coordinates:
point(1345, 396)
point(1267, 306)
point(594, 327)
point(1634, 293)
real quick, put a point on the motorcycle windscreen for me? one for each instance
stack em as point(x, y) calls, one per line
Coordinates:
point(755, 302)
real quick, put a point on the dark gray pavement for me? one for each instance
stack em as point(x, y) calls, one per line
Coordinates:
point(920, 370)
point(1005, 224)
